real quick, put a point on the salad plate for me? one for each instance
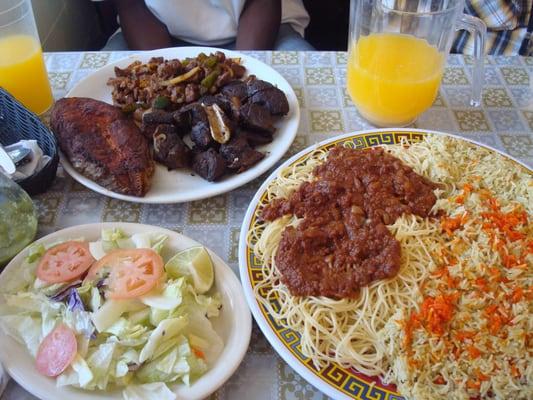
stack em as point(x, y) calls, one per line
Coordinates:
point(232, 325)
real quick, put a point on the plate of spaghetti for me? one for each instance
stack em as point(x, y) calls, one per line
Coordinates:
point(391, 264)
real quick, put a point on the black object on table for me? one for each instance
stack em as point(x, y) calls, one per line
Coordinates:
point(18, 123)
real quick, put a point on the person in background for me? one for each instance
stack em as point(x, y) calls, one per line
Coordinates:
point(230, 24)
point(509, 26)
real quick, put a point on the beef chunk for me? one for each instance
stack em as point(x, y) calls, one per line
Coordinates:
point(157, 117)
point(169, 148)
point(257, 117)
point(239, 155)
point(209, 164)
point(237, 89)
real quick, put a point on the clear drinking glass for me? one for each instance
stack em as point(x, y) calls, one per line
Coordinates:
point(22, 69)
point(18, 219)
point(397, 52)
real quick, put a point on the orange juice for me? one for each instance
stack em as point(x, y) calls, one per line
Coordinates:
point(392, 78)
point(23, 74)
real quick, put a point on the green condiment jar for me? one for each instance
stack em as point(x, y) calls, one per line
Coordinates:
point(18, 219)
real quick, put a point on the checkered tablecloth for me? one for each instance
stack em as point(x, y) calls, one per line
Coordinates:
point(505, 121)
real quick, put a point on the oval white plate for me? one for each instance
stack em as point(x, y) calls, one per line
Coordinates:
point(334, 381)
point(179, 185)
point(234, 324)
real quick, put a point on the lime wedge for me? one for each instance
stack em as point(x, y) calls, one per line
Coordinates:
point(195, 264)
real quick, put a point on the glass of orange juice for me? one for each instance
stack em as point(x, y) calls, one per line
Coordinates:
point(22, 69)
point(397, 52)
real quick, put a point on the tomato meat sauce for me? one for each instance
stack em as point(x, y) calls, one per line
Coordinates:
point(342, 242)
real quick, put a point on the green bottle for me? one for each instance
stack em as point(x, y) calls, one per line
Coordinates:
point(18, 219)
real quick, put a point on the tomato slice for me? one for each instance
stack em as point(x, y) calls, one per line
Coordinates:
point(132, 272)
point(65, 262)
point(57, 351)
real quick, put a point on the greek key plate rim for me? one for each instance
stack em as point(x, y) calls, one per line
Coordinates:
point(366, 387)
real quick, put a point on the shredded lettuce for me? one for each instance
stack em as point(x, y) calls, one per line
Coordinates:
point(200, 326)
point(114, 239)
point(95, 301)
point(112, 235)
point(127, 359)
point(35, 252)
point(108, 313)
point(77, 374)
point(24, 329)
point(97, 249)
point(168, 298)
point(166, 330)
point(150, 391)
point(100, 363)
point(157, 242)
point(80, 322)
point(169, 362)
point(149, 240)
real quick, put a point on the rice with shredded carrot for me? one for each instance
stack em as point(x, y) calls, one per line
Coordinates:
point(471, 334)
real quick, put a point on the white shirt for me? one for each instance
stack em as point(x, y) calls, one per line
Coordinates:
point(214, 22)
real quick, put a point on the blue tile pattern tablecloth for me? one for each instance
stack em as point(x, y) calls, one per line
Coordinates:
point(504, 121)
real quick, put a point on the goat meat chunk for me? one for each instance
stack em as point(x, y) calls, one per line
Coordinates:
point(256, 138)
point(223, 102)
point(148, 130)
point(273, 99)
point(157, 117)
point(201, 135)
point(239, 155)
point(200, 132)
point(257, 117)
point(169, 148)
point(235, 88)
point(255, 85)
point(182, 121)
point(209, 164)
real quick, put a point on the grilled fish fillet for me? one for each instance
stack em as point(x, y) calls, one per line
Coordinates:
point(103, 144)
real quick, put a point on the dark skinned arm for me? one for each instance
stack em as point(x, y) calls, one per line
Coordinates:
point(258, 25)
point(142, 30)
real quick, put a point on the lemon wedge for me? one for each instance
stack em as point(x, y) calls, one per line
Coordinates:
point(194, 263)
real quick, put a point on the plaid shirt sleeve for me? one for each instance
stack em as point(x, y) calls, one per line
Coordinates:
point(506, 21)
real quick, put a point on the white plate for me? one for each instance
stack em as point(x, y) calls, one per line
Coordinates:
point(234, 325)
point(333, 380)
point(179, 185)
